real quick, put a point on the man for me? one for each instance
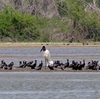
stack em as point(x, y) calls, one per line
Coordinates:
point(46, 55)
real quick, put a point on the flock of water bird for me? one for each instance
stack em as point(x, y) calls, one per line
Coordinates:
point(74, 65)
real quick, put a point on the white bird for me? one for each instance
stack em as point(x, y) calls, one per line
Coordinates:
point(98, 63)
point(46, 55)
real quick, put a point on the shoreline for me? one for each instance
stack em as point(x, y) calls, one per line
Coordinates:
point(21, 45)
point(28, 69)
point(49, 44)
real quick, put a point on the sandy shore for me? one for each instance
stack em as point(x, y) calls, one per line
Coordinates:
point(30, 44)
point(28, 69)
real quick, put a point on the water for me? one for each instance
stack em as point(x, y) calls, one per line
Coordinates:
point(57, 53)
point(49, 85)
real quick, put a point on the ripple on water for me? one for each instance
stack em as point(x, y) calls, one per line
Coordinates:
point(57, 53)
point(49, 85)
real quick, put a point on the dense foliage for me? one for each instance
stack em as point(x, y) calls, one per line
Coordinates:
point(16, 26)
point(74, 20)
point(85, 16)
point(19, 27)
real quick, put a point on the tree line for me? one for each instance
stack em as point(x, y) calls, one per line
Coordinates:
point(79, 19)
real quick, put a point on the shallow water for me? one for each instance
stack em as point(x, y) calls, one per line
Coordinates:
point(57, 53)
point(49, 85)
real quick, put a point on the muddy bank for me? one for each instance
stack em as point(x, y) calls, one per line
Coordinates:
point(15, 52)
point(14, 45)
point(28, 69)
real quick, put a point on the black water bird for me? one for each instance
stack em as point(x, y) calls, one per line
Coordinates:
point(10, 65)
point(2, 64)
point(66, 64)
point(33, 65)
point(22, 64)
point(93, 65)
point(40, 66)
point(50, 65)
point(5, 66)
point(58, 64)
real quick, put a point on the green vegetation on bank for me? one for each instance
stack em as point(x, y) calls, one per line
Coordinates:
point(85, 17)
point(19, 27)
point(74, 22)
point(16, 26)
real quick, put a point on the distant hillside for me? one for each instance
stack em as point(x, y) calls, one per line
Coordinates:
point(50, 20)
point(46, 8)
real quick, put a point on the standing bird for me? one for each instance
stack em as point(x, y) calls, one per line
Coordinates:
point(46, 55)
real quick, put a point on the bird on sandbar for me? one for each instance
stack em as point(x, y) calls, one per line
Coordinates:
point(46, 55)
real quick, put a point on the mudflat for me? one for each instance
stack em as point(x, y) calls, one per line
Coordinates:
point(28, 69)
point(31, 44)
